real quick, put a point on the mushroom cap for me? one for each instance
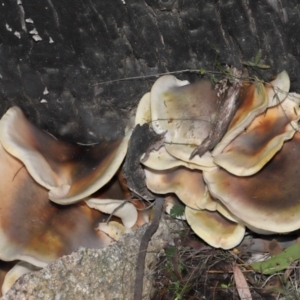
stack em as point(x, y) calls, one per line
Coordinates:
point(268, 200)
point(278, 89)
point(184, 113)
point(5, 267)
point(70, 172)
point(183, 153)
point(265, 136)
point(161, 160)
point(143, 112)
point(113, 229)
point(144, 209)
point(253, 101)
point(15, 273)
point(34, 229)
point(215, 229)
point(187, 184)
point(123, 209)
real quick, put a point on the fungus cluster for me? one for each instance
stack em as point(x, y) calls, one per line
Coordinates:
point(55, 196)
point(239, 183)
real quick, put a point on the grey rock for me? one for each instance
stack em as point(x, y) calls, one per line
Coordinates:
point(106, 274)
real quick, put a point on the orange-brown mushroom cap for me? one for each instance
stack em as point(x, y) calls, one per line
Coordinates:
point(254, 99)
point(34, 229)
point(215, 229)
point(268, 200)
point(70, 172)
point(252, 149)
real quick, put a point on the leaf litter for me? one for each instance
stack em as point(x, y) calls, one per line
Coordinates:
point(259, 268)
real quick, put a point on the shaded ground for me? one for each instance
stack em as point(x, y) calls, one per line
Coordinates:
point(193, 270)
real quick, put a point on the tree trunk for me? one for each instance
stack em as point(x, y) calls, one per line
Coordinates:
point(59, 51)
point(56, 56)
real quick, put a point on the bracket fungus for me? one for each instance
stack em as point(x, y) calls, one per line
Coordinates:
point(259, 142)
point(39, 171)
point(183, 113)
point(15, 273)
point(45, 235)
point(237, 184)
point(70, 172)
point(242, 175)
point(214, 228)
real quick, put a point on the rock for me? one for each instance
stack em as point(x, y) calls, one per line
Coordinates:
point(106, 274)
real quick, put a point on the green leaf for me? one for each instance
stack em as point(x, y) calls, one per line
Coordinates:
point(257, 57)
point(261, 66)
point(177, 211)
point(170, 252)
point(226, 286)
point(278, 262)
point(213, 79)
point(202, 71)
point(249, 64)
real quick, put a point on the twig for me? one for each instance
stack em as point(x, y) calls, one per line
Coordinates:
point(222, 121)
point(117, 208)
point(156, 75)
point(140, 267)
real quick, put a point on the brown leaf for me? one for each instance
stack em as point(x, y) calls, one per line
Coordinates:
point(241, 284)
point(274, 247)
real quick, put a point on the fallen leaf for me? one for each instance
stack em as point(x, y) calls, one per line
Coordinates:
point(241, 284)
point(278, 262)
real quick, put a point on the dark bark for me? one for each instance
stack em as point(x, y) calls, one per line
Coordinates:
point(96, 41)
point(142, 141)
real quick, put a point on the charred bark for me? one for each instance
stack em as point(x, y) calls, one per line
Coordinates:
point(59, 51)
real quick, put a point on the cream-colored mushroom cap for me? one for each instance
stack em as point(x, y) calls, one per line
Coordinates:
point(215, 229)
point(15, 273)
point(114, 230)
point(183, 113)
point(161, 159)
point(143, 112)
point(278, 89)
point(187, 184)
point(123, 209)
